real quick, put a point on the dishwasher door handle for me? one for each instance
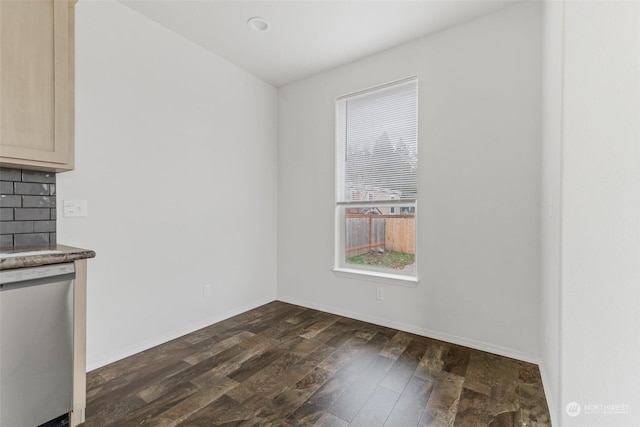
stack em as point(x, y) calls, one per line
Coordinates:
point(36, 282)
point(37, 275)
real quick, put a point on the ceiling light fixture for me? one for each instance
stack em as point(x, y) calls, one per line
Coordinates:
point(258, 24)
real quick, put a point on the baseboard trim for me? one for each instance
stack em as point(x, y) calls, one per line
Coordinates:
point(176, 333)
point(477, 345)
point(553, 411)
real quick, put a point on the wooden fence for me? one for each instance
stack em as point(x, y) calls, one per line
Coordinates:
point(400, 234)
point(368, 232)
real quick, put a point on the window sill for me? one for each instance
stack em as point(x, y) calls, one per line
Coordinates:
point(378, 277)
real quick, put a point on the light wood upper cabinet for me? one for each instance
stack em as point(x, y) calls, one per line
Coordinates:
point(37, 84)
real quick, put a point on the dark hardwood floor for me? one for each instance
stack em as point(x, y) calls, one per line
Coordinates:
point(284, 365)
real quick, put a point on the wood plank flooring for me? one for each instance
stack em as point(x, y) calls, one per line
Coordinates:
point(285, 365)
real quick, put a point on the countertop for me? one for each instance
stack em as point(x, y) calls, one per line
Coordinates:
point(62, 254)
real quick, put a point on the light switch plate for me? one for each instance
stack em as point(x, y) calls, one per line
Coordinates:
point(74, 208)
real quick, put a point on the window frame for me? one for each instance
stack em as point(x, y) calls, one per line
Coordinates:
point(352, 271)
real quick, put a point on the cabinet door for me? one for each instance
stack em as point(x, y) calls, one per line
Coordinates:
point(36, 82)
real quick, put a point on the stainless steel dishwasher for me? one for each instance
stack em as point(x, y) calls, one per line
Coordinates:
point(36, 344)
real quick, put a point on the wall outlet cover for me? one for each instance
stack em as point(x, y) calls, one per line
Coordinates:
point(74, 208)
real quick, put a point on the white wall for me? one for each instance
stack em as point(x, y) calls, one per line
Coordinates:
point(551, 213)
point(176, 155)
point(600, 276)
point(479, 186)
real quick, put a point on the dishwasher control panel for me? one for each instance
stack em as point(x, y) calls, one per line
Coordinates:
point(24, 274)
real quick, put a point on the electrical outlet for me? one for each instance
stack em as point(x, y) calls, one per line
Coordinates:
point(206, 291)
point(74, 208)
point(380, 294)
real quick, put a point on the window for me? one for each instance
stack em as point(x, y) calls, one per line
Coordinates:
point(376, 181)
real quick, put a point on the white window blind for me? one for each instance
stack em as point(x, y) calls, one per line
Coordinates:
point(378, 144)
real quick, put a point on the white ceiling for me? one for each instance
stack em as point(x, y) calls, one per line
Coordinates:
point(306, 37)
